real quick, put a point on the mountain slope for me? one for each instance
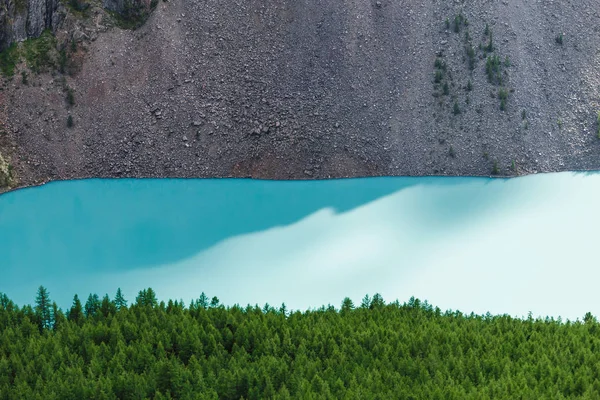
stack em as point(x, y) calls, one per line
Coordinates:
point(320, 89)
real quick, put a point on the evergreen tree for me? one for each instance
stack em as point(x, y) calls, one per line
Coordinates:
point(58, 316)
point(43, 308)
point(347, 304)
point(380, 350)
point(120, 301)
point(203, 301)
point(107, 307)
point(366, 302)
point(76, 312)
point(377, 301)
point(146, 297)
point(151, 298)
point(92, 305)
point(283, 309)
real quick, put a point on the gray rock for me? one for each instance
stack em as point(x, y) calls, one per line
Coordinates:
point(20, 20)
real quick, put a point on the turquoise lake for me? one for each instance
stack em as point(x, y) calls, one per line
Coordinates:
point(473, 244)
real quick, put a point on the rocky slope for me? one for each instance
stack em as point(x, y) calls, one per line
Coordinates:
point(292, 89)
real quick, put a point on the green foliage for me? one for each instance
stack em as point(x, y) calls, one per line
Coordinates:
point(495, 168)
point(490, 46)
point(78, 5)
point(471, 57)
point(559, 39)
point(469, 86)
point(120, 301)
point(446, 89)
point(75, 314)
point(438, 76)
point(70, 96)
point(134, 14)
point(456, 109)
point(43, 309)
point(20, 6)
point(69, 121)
point(40, 52)
point(8, 60)
point(62, 60)
point(506, 62)
point(24, 80)
point(452, 152)
point(493, 70)
point(92, 305)
point(378, 350)
point(486, 31)
point(503, 96)
point(523, 114)
point(457, 23)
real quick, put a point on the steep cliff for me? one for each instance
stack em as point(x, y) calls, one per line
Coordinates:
point(295, 89)
point(22, 19)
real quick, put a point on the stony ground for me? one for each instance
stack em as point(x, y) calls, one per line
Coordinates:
point(316, 89)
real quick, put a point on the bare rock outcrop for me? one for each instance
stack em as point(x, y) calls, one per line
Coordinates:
point(22, 19)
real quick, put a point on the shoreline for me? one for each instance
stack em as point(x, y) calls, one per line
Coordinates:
point(250, 178)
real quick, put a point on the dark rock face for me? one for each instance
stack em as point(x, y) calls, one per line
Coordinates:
point(129, 9)
point(22, 19)
point(114, 5)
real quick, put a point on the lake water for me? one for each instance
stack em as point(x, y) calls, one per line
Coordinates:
point(473, 244)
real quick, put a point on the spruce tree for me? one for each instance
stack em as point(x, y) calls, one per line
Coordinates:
point(76, 312)
point(151, 298)
point(58, 317)
point(203, 301)
point(43, 308)
point(120, 301)
point(283, 309)
point(347, 304)
point(92, 305)
point(107, 307)
point(366, 302)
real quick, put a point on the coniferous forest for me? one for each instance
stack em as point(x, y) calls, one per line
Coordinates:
point(103, 348)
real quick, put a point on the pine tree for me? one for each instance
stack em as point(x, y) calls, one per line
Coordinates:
point(146, 297)
point(58, 317)
point(366, 302)
point(151, 298)
point(377, 301)
point(91, 305)
point(120, 301)
point(283, 310)
point(347, 304)
point(76, 312)
point(43, 308)
point(107, 307)
point(203, 301)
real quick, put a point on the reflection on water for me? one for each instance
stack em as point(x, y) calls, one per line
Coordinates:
point(504, 246)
